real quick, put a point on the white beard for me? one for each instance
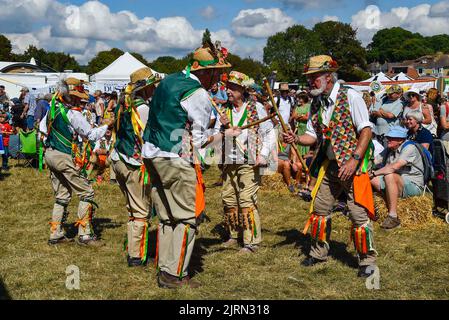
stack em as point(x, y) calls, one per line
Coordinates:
point(319, 91)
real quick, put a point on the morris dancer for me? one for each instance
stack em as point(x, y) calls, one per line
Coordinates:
point(131, 114)
point(179, 115)
point(340, 123)
point(61, 127)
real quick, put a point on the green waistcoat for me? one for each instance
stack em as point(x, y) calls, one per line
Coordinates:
point(125, 137)
point(166, 113)
point(60, 137)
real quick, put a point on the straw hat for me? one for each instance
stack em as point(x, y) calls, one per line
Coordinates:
point(76, 88)
point(321, 63)
point(240, 79)
point(141, 79)
point(141, 74)
point(395, 88)
point(209, 56)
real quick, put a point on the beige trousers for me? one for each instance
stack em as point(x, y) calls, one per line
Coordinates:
point(65, 180)
point(328, 194)
point(138, 204)
point(173, 194)
point(239, 195)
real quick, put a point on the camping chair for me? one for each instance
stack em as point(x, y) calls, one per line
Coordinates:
point(28, 148)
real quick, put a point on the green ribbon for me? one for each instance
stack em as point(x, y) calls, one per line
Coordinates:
point(41, 156)
point(203, 63)
point(368, 155)
point(145, 254)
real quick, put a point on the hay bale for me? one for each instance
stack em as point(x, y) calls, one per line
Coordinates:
point(414, 212)
point(273, 182)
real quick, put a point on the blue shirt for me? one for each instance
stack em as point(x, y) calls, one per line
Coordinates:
point(422, 136)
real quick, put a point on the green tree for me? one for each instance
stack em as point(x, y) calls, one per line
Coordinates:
point(248, 66)
point(102, 60)
point(439, 43)
point(5, 48)
point(288, 51)
point(395, 44)
point(168, 64)
point(49, 61)
point(141, 58)
point(339, 40)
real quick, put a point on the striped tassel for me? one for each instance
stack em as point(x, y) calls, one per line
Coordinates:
point(319, 227)
point(363, 239)
point(253, 222)
point(183, 250)
point(144, 243)
point(156, 259)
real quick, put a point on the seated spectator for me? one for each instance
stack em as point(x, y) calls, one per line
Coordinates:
point(402, 176)
point(289, 165)
point(416, 132)
point(100, 154)
point(417, 102)
point(4, 99)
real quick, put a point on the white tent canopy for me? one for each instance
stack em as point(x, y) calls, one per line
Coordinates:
point(378, 77)
point(117, 74)
point(401, 77)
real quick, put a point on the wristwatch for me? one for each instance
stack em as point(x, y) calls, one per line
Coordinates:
point(356, 157)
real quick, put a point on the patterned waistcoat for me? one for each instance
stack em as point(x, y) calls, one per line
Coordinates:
point(341, 132)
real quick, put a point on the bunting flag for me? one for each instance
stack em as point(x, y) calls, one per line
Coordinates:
point(144, 243)
point(320, 227)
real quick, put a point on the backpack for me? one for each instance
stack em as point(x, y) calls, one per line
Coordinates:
point(429, 171)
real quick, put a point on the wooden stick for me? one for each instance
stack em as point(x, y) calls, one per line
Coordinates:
point(283, 125)
point(255, 123)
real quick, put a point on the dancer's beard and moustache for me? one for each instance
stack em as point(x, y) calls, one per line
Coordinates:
point(319, 91)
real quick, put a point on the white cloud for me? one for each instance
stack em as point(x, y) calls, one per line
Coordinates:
point(85, 29)
point(425, 18)
point(261, 23)
point(330, 18)
point(208, 12)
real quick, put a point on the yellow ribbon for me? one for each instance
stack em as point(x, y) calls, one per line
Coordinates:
point(321, 174)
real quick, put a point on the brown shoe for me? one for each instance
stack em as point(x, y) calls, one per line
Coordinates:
point(90, 241)
point(166, 280)
point(391, 223)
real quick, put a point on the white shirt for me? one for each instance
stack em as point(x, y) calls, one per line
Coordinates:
point(357, 108)
point(285, 108)
point(268, 136)
point(199, 109)
point(143, 111)
point(78, 124)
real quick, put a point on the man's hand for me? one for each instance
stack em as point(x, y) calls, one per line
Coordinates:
point(224, 120)
point(233, 132)
point(289, 137)
point(348, 169)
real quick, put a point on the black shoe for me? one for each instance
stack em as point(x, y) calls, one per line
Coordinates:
point(311, 261)
point(366, 271)
point(137, 262)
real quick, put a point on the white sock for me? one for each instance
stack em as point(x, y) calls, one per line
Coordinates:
point(393, 214)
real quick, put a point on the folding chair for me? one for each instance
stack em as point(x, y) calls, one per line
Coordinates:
point(28, 148)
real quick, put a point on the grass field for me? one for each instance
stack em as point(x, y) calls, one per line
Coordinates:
point(413, 263)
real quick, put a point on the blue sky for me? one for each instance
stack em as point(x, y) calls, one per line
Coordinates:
point(174, 27)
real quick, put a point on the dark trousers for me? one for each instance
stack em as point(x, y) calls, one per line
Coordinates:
point(5, 157)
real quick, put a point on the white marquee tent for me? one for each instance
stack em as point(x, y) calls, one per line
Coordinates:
point(116, 75)
point(401, 77)
point(378, 77)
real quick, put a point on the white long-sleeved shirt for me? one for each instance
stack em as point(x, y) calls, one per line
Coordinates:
point(357, 108)
point(266, 131)
point(78, 124)
point(199, 109)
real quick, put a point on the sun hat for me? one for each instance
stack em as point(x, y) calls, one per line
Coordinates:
point(209, 56)
point(322, 63)
point(397, 132)
point(412, 91)
point(240, 79)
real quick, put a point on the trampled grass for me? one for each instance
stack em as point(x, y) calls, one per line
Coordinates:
point(413, 263)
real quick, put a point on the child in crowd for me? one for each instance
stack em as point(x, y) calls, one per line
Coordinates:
point(5, 131)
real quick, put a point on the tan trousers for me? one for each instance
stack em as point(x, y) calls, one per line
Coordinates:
point(328, 194)
point(239, 194)
point(173, 194)
point(138, 204)
point(65, 180)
